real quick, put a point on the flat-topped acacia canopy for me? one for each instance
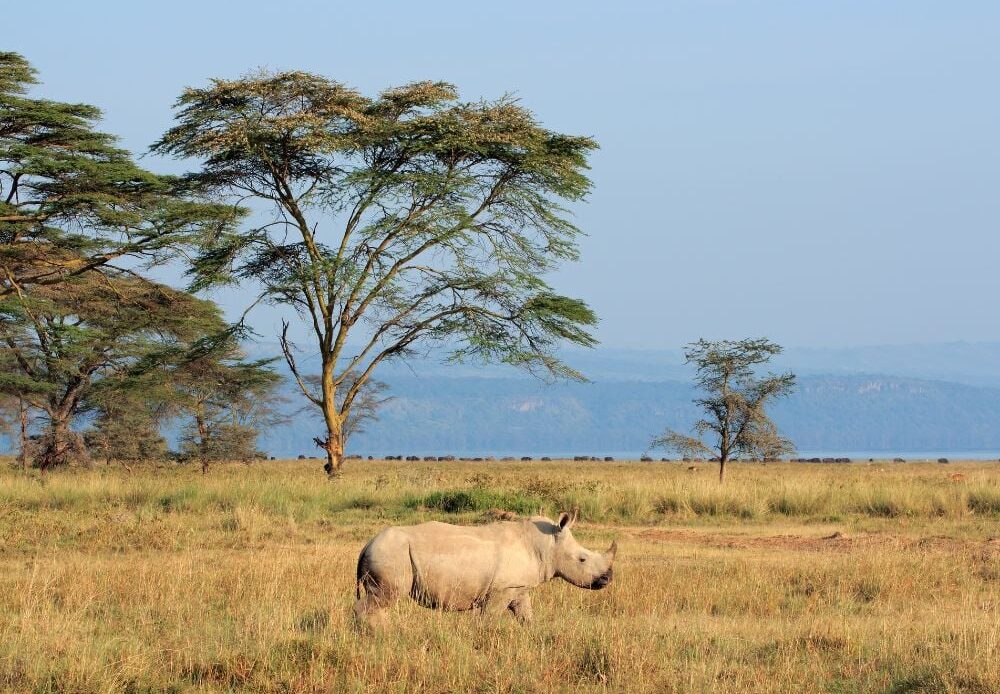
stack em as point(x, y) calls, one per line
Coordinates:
point(391, 222)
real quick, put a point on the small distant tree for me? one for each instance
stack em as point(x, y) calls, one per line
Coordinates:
point(225, 400)
point(15, 418)
point(218, 442)
point(10, 419)
point(129, 436)
point(736, 423)
point(126, 433)
point(370, 399)
point(406, 220)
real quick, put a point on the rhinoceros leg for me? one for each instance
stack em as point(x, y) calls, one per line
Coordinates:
point(370, 615)
point(521, 607)
point(515, 600)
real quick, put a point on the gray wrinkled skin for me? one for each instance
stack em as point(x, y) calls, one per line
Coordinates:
point(488, 568)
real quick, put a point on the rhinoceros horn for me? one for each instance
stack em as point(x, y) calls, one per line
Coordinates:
point(612, 551)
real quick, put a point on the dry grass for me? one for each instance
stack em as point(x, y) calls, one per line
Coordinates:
point(790, 578)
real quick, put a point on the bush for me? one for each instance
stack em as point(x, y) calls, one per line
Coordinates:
point(985, 501)
point(460, 501)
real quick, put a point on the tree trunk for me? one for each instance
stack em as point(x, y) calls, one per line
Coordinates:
point(334, 455)
point(202, 441)
point(23, 412)
point(722, 468)
point(61, 446)
point(54, 452)
point(334, 442)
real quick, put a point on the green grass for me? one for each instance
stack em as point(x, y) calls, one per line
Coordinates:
point(464, 500)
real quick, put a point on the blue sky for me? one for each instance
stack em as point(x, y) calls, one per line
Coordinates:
point(823, 173)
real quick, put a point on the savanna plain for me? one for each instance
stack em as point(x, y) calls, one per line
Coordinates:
point(789, 577)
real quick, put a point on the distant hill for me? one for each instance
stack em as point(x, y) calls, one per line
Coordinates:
point(886, 413)
point(972, 363)
point(897, 399)
point(469, 415)
point(960, 362)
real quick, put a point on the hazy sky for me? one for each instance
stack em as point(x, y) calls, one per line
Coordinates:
point(817, 172)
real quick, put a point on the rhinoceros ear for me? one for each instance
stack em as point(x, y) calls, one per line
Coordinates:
point(567, 521)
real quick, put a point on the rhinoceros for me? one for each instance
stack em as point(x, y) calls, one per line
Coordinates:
point(487, 568)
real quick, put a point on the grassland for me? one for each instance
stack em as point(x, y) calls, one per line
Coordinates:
point(836, 578)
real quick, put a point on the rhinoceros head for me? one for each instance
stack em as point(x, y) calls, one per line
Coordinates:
point(575, 563)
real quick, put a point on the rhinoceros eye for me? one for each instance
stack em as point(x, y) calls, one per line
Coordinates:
point(583, 559)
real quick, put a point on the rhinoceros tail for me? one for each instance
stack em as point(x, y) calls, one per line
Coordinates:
point(360, 574)
point(365, 580)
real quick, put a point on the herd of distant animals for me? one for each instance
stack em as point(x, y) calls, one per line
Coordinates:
point(488, 458)
point(586, 458)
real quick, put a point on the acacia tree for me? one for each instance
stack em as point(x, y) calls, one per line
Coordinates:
point(126, 429)
point(61, 344)
point(408, 219)
point(71, 201)
point(224, 397)
point(735, 422)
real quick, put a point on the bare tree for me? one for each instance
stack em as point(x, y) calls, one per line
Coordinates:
point(736, 422)
point(370, 399)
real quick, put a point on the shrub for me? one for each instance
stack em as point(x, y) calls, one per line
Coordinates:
point(985, 501)
point(459, 501)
